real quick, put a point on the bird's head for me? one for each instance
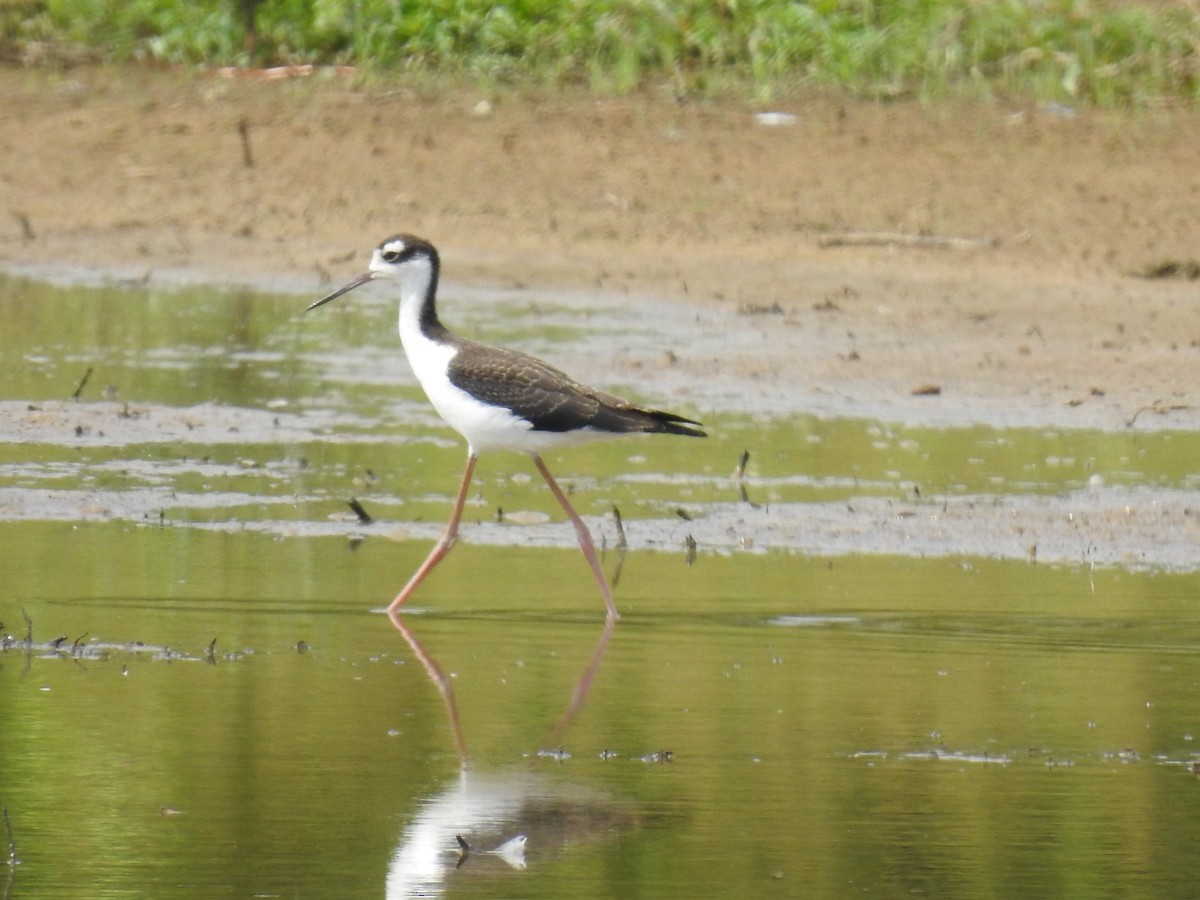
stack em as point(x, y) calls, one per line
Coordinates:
point(405, 258)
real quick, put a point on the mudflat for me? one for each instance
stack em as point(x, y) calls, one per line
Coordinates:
point(982, 257)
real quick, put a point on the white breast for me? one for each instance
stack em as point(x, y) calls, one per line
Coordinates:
point(485, 427)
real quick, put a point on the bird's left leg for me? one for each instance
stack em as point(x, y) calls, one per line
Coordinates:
point(584, 536)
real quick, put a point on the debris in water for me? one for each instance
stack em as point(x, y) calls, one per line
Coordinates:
point(1157, 407)
point(740, 472)
point(621, 542)
point(364, 518)
point(13, 859)
point(82, 383)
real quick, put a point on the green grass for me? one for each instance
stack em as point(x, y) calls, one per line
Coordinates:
point(1105, 53)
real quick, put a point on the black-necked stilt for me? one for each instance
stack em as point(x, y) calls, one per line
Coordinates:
point(495, 398)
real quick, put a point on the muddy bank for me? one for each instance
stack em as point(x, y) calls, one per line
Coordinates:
point(927, 267)
point(1018, 294)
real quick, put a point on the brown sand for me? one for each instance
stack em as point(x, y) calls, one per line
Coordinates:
point(170, 174)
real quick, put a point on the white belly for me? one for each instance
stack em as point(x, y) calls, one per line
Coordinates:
point(485, 427)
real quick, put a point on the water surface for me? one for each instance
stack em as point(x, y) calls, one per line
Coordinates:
point(901, 659)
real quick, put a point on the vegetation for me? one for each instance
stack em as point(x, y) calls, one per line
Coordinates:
point(1104, 52)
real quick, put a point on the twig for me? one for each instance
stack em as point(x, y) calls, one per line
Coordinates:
point(739, 477)
point(28, 628)
point(621, 542)
point(82, 383)
point(364, 517)
point(26, 226)
point(901, 239)
point(247, 152)
point(1156, 407)
point(13, 859)
point(740, 472)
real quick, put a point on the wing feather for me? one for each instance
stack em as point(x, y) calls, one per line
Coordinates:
point(549, 399)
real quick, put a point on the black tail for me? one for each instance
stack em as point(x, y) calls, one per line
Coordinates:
point(669, 423)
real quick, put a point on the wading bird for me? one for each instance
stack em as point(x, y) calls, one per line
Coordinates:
point(497, 399)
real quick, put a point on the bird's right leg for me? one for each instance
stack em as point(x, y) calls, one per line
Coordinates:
point(445, 544)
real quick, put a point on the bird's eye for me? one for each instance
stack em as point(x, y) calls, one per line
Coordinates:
point(391, 256)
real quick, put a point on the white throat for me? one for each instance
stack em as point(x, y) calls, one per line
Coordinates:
point(428, 358)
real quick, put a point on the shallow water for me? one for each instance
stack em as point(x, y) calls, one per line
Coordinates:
point(893, 700)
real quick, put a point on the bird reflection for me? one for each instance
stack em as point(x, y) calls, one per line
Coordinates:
point(483, 821)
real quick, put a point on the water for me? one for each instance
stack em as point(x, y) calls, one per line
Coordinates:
point(873, 704)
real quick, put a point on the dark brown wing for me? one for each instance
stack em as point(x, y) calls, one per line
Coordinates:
point(549, 399)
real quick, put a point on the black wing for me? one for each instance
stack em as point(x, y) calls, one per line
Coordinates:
point(549, 399)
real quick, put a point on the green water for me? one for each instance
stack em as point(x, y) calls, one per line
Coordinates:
point(761, 722)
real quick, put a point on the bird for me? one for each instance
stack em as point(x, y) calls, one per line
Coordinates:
point(497, 398)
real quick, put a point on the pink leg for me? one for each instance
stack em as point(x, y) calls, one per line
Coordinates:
point(585, 537)
point(444, 545)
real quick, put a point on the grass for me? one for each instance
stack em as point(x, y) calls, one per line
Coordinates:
point(1111, 53)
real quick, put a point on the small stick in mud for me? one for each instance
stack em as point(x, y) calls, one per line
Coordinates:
point(364, 517)
point(210, 655)
point(464, 848)
point(739, 478)
point(622, 547)
point(739, 475)
point(27, 232)
point(82, 383)
point(244, 134)
point(689, 550)
point(28, 628)
point(621, 542)
point(1157, 407)
point(740, 472)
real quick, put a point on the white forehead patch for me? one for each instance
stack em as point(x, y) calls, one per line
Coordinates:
point(383, 260)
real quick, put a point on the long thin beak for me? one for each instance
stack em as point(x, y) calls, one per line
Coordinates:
point(357, 282)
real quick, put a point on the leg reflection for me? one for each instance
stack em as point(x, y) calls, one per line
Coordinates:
point(442, 682)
